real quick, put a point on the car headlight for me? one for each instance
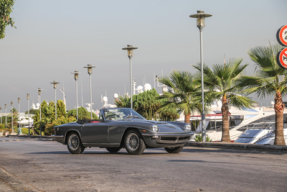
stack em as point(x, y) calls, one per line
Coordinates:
point(154, 128)
point(187, 128)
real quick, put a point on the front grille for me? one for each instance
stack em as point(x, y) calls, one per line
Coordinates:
point(183, 138)
point(168, 138)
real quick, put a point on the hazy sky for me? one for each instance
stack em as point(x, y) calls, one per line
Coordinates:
point(53, 38)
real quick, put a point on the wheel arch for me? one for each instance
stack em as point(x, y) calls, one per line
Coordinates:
point(125, 132)
point(70, 132)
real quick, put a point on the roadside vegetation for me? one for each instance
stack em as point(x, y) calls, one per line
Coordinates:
point(222, 83)
point(148, 105)
point(269, 80)
point(6, 7)
point(9, 122)
point(48, 122)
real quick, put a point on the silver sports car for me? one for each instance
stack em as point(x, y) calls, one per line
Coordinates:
point(123, 128)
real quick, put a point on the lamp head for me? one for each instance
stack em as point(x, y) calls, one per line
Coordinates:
point(200, 18)
point(28, 96)
point(89, 67)
point(11, 103)
point(55, 84)
point(5, 106)
point(18, 99)
point(76, 75)
point(130, 49)
point(39, 91)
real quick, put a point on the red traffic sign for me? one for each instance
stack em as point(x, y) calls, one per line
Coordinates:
point(282, 35)
point(282, 58)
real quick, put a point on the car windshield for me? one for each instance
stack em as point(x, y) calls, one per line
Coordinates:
point(120, 114)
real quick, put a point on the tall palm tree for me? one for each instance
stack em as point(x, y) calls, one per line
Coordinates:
point(221, 81)
point(184, 95)
point(269, 79)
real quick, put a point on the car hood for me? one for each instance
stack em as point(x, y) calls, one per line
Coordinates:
point(167, 127)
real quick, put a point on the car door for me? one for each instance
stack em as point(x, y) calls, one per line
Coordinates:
point(95, 132)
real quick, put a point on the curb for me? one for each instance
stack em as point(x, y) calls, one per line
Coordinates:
point(274, 148)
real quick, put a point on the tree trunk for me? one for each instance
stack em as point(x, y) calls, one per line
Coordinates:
point(225, 122)
point(187, 118)
point(279, 117)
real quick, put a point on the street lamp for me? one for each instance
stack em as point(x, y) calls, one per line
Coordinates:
point(200, 24)
point(76, 76)
point(55, 86)
point(19, 129)
point(130, 49)
point(12, 116)
point(28, 97)
point(39, 100)
point(90, 68)
point(6, 116)
point(1, 114)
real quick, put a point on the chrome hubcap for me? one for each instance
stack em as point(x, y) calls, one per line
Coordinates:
point(132, 142)
point(74, 142)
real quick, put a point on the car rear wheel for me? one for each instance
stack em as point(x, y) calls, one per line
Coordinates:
point(173, 149)
point(113, 149)
point(134, 143)
point(74, 144)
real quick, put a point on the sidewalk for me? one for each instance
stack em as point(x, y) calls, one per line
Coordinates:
point(243, 146)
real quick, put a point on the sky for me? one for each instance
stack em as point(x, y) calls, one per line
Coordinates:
point(54, 38)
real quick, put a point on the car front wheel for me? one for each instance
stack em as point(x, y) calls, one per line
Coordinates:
point(74, 144)
point(134, 143)
point(173, 149)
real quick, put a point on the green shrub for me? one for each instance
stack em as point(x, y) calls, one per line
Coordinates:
point(198, 138)
point(26, 131)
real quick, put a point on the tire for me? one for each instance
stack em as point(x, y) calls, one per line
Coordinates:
point(74, 144)
point(174, 149)
point(134, 143)
point(113, 149)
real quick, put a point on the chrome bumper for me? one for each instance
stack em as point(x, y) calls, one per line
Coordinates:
point(167, 138)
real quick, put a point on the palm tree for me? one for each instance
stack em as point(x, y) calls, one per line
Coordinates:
point(221, 81)
point(269, 79)
point(184, 95)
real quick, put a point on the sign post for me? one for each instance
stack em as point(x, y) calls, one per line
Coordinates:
point(282, 40)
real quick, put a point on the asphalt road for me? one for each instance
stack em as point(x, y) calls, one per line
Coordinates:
point(32, 165)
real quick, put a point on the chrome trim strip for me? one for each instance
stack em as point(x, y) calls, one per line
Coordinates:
point(58, 136)
point(168, 134)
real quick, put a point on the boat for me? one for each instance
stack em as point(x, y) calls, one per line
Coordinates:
point(255, 132)
point(269, 138)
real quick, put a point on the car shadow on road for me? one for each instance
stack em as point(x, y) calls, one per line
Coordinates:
point(98, 153)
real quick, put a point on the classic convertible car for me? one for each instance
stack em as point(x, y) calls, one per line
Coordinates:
point(123, 127)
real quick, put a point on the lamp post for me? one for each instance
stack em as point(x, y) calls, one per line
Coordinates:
point(28, 97)
point(76, 76)
point(90, 69)
point(39, 98)
point(19, 129)
point(6, 116)
point(1, 114)
point(130, 49)
point(200, 24)
point(55, 86)
point(12, 116)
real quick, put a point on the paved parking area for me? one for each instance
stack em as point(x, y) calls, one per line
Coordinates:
point(33, 165)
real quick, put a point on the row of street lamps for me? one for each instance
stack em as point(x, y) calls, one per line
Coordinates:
point(200, 16)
